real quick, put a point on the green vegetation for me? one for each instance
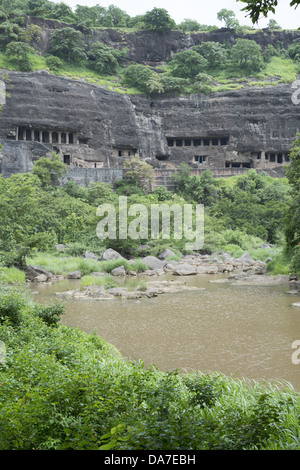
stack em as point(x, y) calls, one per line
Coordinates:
point(241, 213)
point(263, 7)
point(64, 389)
point(73, 51)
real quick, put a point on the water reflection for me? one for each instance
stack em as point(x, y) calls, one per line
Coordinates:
point(243, 331)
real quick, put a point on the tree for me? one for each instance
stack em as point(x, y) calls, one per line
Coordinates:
point(293, 51)
point(10, 32)
point(19, 52)
point(292, 225)
point(139, 172)
point(49, 170)
point(202, 83)
point(119, 17)
point(189, 25)
point(228, 17)
point(68, 43)
point(273, 25)
point(269, 52)
point(187, 64)
point(214, 52)
point(158, 20)
point(138, 75)
point(103, 58)
point(257, 7)
point(62, 11)
point(39, 7)
point(247, 55)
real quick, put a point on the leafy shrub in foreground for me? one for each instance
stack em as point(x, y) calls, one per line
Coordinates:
point(12, 303)
point(50, 314)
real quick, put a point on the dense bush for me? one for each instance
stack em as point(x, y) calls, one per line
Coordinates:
point(63, 389)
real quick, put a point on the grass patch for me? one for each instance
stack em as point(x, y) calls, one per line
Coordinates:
point(59, 264)
point(280, 265)
point(12, 276)
point(280, 67)
point(106, 281)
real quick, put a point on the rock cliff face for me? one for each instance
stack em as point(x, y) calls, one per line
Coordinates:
point(149, 47)
point(94, 128)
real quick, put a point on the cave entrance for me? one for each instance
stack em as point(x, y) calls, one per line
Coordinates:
point(162, 158)
point(67, 159)
point(45, 137)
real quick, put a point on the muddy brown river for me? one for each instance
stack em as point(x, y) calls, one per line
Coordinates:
point(240, 331)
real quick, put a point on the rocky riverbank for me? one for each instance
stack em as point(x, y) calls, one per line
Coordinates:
point(239, 271)
point(153, 289)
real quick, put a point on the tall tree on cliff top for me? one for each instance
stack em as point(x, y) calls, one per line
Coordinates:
point(158, 20)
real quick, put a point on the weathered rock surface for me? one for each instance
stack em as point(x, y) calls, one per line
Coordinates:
point(184, 269)
point(74, 275)
point(254, 119)
point(109, 255)
point(154, 289)
point(90, 255)
point(164, 254)
point(38, 274)
point(154, 263)
point(120, 271)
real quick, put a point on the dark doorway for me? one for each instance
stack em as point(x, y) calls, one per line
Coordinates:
point(67, 159)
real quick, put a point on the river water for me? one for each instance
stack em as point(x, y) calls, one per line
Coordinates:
point(240, 331)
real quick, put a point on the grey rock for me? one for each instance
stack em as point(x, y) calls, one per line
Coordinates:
point(201, 269)
point(184, 269)
point(41, 278)
point(90, 255)
point(165, 254)
point(154, 263)
point(32, 272)
point(246, 258)
point(74, 275)
point(120, 271)
point(109, 255)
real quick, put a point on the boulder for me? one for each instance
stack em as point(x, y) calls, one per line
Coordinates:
point(74, 275)
point(212, 270)
point(246, 258)
point(90, 255)
point(109, 255)
point(41, 278)
point(164, 255)
point(32, 272)
point(120, 271)
point(153, 263)
point(169, 267)
point(201, 269)
point(184, 269)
